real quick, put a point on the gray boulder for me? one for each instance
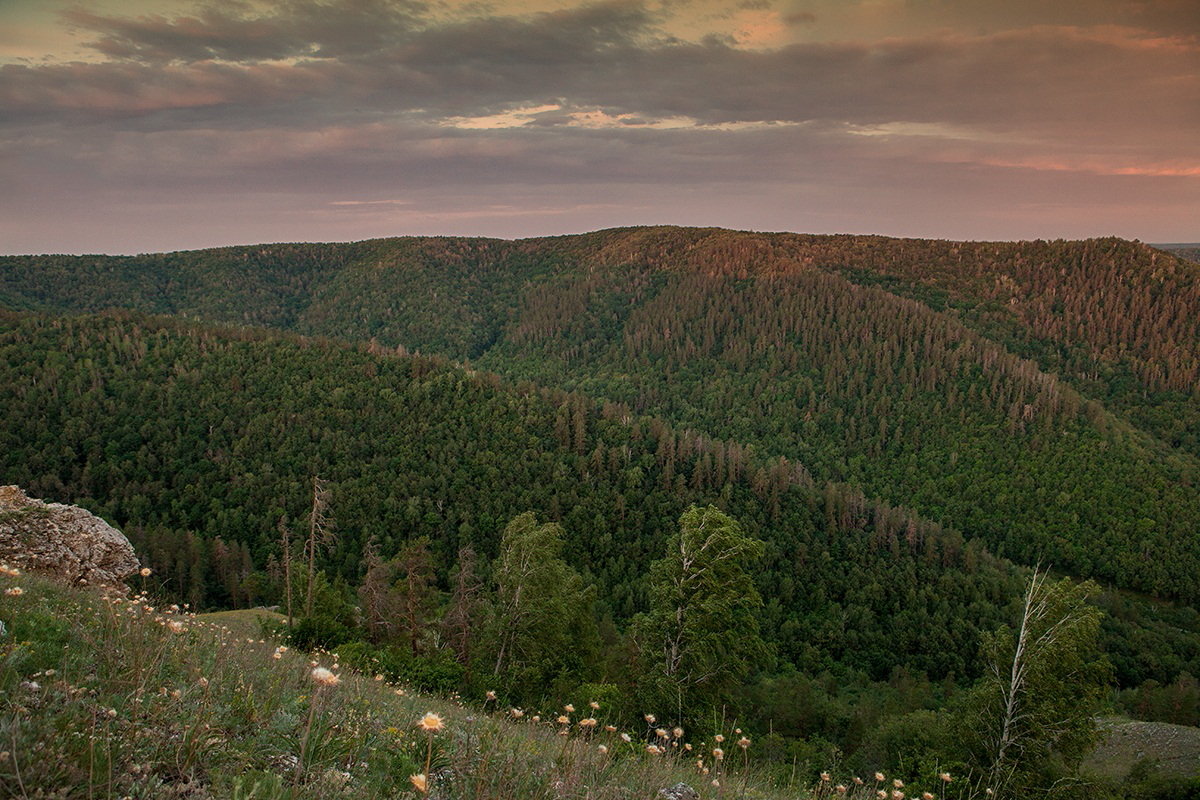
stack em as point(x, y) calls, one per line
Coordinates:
point(62, 540)
point(680, 791)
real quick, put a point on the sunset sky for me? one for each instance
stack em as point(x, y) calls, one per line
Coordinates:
point(138, 125)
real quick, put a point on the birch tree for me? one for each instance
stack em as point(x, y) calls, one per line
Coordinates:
point(1032, 717)
point(542, 621)
point(701, 635)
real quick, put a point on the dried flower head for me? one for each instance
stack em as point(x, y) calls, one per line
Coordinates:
point(650, 719)
point(945, 776)
point(662, 734)
point(825, 777)
point(625, 737)
point(431, 722)
point(420, 782)
point(570, 709)
point(718, 753)
point(144, 572)
point(594, 705)
point(517, 713)
point(176, 626)
point(719, 738)
point(743, 742)
point(602, 749)
point(899, 784)
point(324, 677)
point(878, 777)
point(15, 591)
point(587, 723)
point(677, 732)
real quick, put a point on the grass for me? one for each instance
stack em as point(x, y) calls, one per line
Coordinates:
point(109, 697)
point(1174, 750)
point(243, 622)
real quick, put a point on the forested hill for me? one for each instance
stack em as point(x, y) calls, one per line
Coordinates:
point(201, 443)
point(1038, 396)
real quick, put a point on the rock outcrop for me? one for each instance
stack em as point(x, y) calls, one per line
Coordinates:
point(62, 540)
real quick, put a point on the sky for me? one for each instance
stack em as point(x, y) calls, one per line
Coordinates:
point(147, 125)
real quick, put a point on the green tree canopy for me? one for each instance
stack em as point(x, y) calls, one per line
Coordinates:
point(701, 635)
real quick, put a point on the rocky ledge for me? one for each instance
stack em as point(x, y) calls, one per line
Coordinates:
point(62, 540)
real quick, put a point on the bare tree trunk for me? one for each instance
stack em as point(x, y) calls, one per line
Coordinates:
point(317, 533)
point(1011, 690)
point(285, 544)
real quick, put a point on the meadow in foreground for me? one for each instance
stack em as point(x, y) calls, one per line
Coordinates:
point(103, 696)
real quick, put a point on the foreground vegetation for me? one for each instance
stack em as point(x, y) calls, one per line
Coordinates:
point(108, 697)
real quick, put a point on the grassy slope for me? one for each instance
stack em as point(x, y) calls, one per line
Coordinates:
point(1174, 748)
point(100, 698)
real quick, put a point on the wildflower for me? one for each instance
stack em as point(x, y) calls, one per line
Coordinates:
point(899, 784)
point(15, 591)
point(563, 719)
point(677, 732)
point(626, 737)
point(881, 794)
point(112, 713)
point(840, 788)
point(517, 713)
point(587, 723)
point(570, 709)
point(897, 794)
point(420, 782)
point(719, 738)
point(650, 719)
point(718, 753)
point(277, 655)
point(610, 728)
point(688, 747)
point(594, 705)
point(878, 777)
point(825, 777)
point(537, 717)
point(491, 695)
point(144, 572)
point(652, 749)
point(662, 734)
point(743, 742)
point(857, 780)
point(945, 776)
point(176, 626)
point(602, 749)
point(716, 782)
point(399, 692)
point(379, 678)
point(203, 682)
point(431, 722)
point(926, 795)
point(324, 677)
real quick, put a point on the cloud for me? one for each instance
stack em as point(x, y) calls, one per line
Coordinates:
point(365, 101)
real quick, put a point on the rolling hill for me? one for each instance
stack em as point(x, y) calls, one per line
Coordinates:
point(1038, 396)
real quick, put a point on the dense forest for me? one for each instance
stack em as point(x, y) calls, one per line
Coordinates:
point(1038, 396)
point(382, 436)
